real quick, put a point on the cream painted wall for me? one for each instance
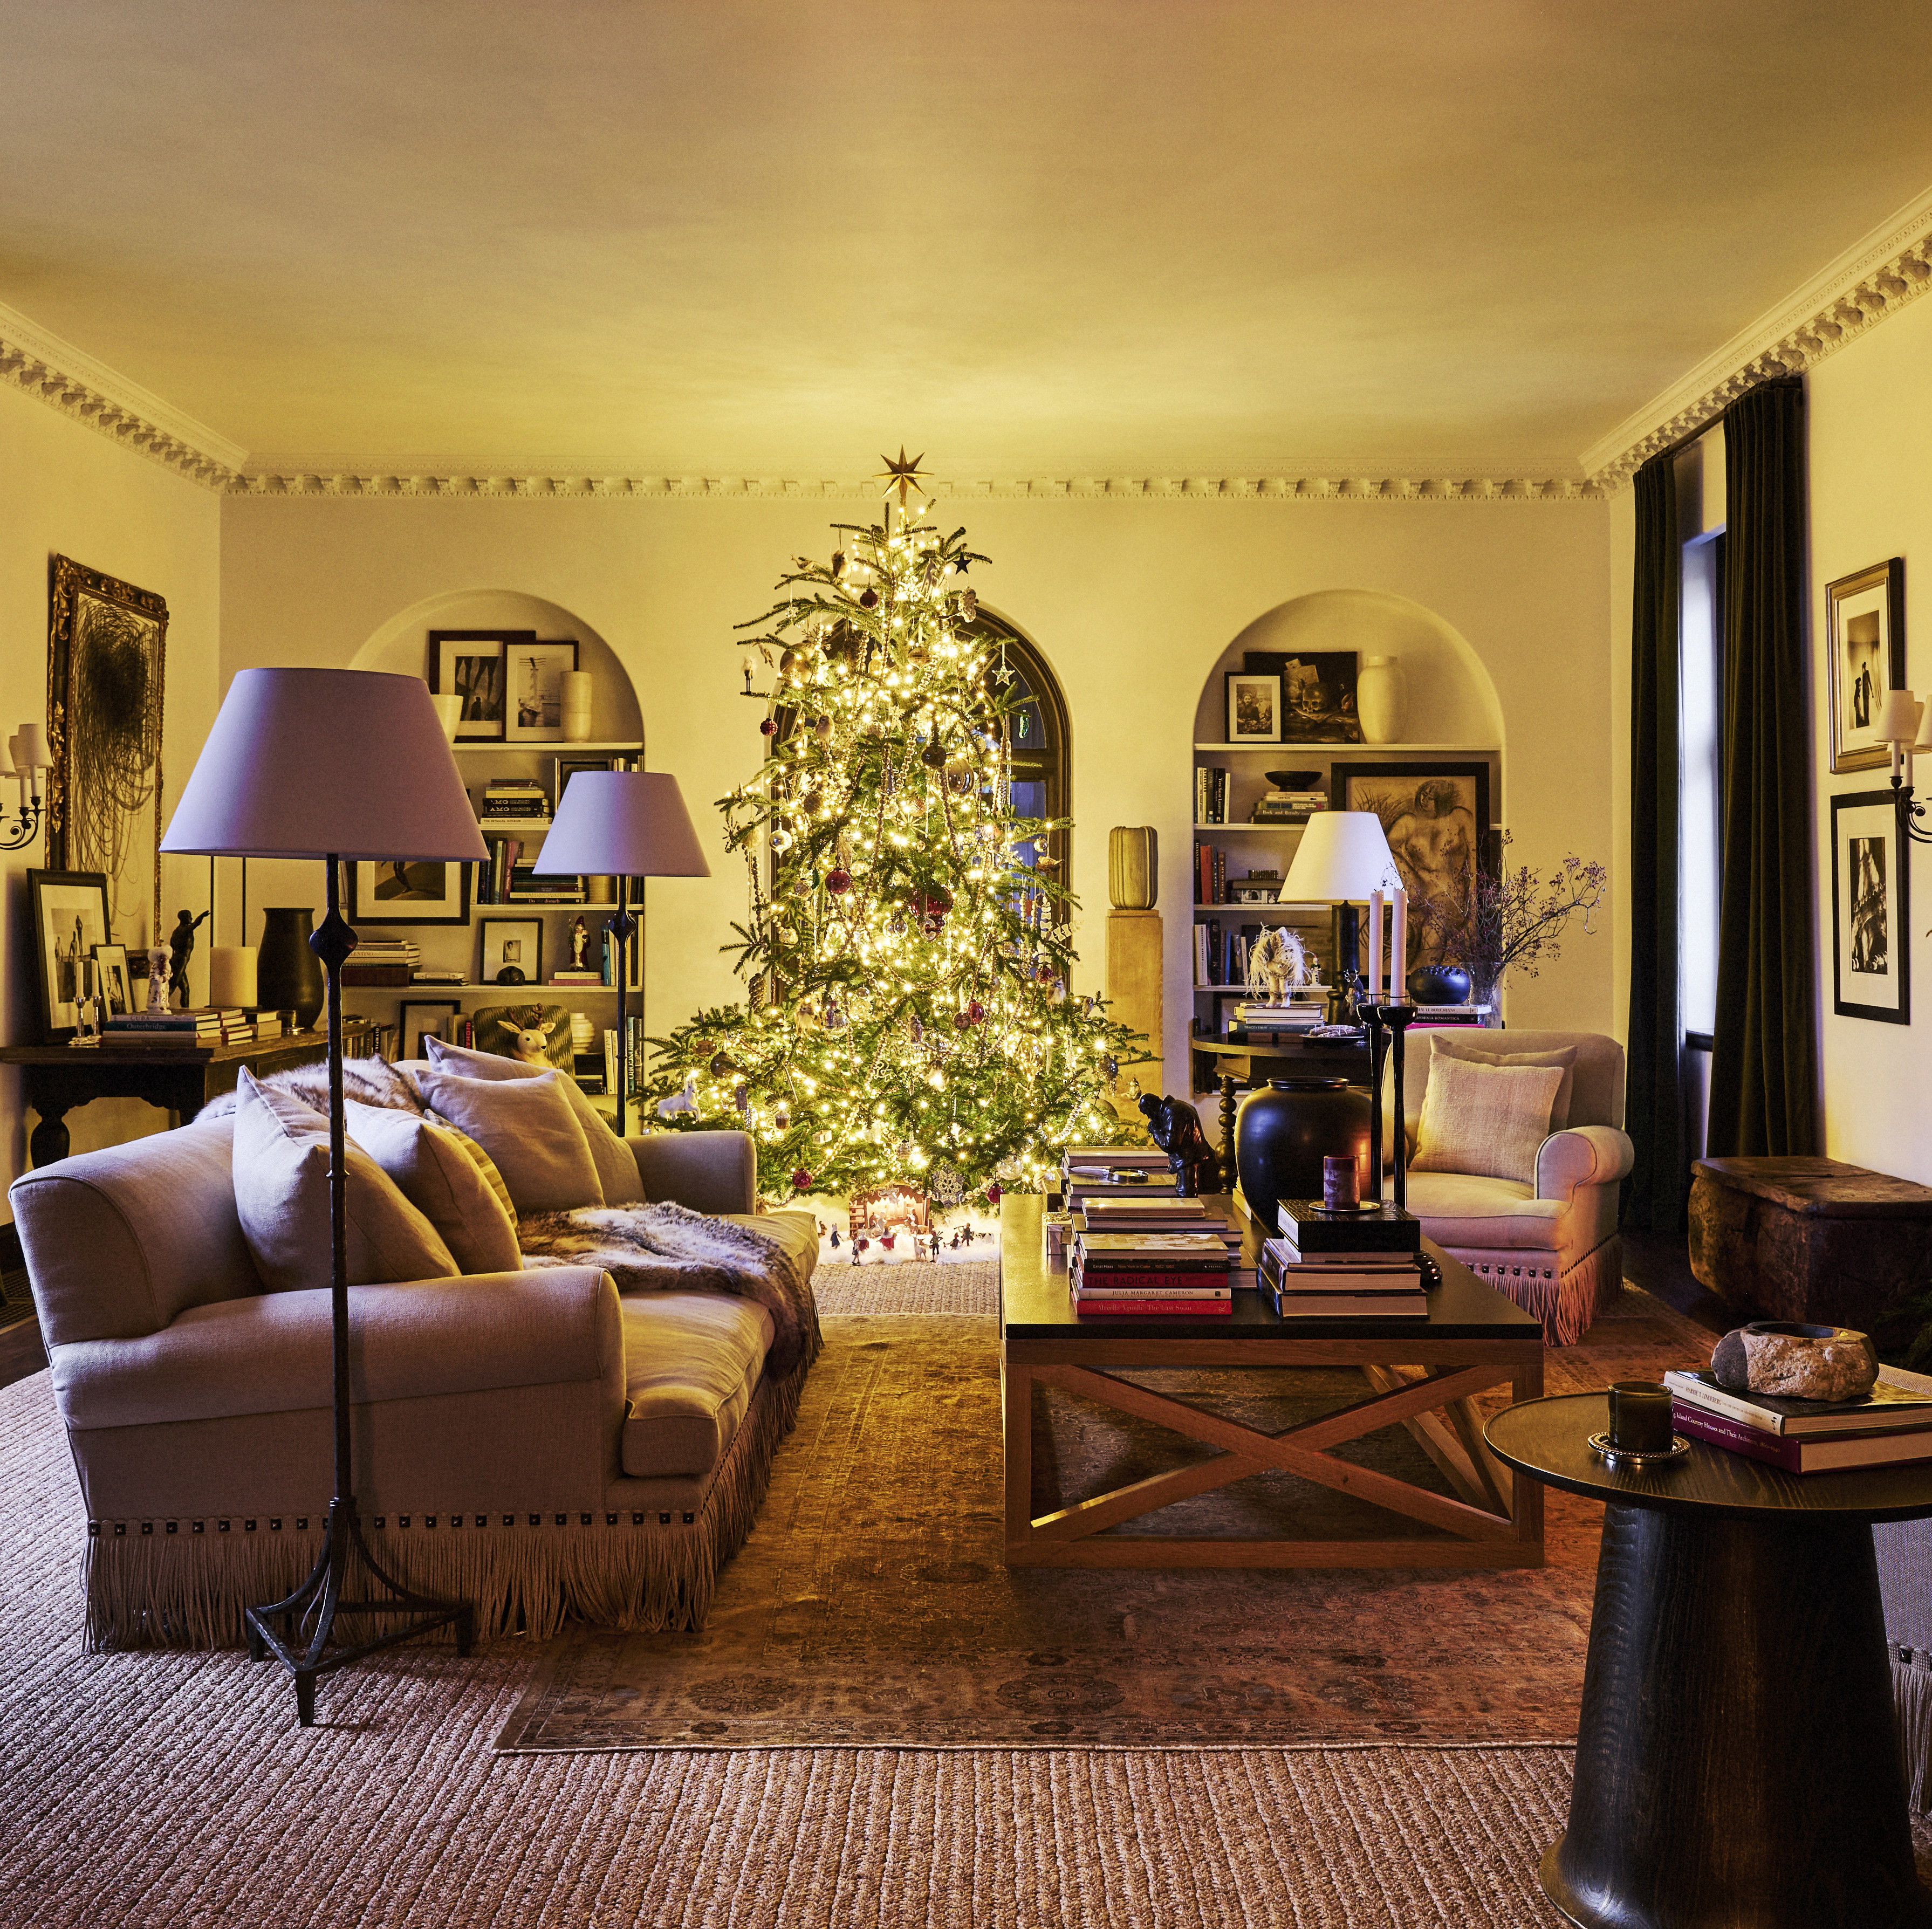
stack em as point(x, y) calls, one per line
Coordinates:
point(65, 489)
point(1132, 602)
point(1871, 498)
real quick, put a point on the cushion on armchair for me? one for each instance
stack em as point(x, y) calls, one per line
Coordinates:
point(1486, 1119)
point(1492, 1048)
point(439, 1178)
point(281, 1198)
point(528, 1128)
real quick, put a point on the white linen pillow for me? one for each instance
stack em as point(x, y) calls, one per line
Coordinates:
point(1488, 1120)
point(528, 1127)
point(442, 1182)
point(281, 1197)
point(616, 1167)
point(1479, 1049)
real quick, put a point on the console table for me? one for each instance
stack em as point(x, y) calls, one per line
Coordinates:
point(1736, 1758)
point(59, 1078)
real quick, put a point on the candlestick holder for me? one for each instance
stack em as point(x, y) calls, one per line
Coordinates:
point(1395, 1019)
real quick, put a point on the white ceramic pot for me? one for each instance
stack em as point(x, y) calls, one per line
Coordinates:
point(576, 688)
point(1381, 696)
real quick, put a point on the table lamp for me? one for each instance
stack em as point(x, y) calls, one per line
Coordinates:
point(342, 765)
point(623, 824)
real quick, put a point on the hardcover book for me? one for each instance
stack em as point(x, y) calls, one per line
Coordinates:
point(1316, 1233)
point(1900, 1401)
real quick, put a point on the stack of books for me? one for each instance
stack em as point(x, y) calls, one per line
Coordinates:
point(237, 1027)
point(437, 975)
point(517, 798)
point(1114, 1171)
point(1269, 1023)
point(1288, 806)
point(381, 962)
point(1891, 1425)
point(1343, 1265)
point(268, 1026)
point(1210, 794)
point(200, 1026)
point(1151, 1275)
point(1210, 874)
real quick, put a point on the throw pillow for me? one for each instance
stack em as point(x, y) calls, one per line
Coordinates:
point(440, 1179)
point(1493, 1048)
point(1488, 1120)
point(528, 1127)
point(616, 1166)
point(281, 1198)
point(486, 1166)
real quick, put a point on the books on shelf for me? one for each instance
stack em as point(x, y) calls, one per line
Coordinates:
point(1901, 1402)
point(437, 977)
point(1155, 1309)
point(360, 974)
point(1210, 794)
point(1380, 1286)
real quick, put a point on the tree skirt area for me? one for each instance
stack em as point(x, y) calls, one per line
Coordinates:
point(872, 1606)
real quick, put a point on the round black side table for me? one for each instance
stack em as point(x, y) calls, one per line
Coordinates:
point(1737, 1765)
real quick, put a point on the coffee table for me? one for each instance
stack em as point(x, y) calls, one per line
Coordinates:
point(1736, 1758)
point(1423, 1375)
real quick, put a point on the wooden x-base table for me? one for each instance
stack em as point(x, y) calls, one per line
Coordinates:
point(1424, 1377)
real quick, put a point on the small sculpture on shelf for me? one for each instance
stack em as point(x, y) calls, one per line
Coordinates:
point(1174, 1125)
point(1277, 960)
point(181, 947)
point(579, 937)
point(158, 977)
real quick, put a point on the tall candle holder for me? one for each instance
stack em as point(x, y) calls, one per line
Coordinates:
point(1395, 1019)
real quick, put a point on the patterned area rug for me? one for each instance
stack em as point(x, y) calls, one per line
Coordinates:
point(844, 1290)
point(871, 1606)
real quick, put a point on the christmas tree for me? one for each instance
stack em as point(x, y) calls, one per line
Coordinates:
point(907, 956)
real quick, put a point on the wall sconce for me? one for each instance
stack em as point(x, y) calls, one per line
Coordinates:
point(27, 757)
point(1906, 724)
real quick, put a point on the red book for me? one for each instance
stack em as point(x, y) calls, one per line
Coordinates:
point(1804, 1453)
point(1187, 1309)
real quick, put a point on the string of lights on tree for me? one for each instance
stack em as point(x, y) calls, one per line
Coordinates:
point(909, 1017)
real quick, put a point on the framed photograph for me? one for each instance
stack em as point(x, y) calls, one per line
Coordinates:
point(1871, 931)
point(1436, 817)
point(1865, 625)
point(70, 913)
point(1254, 708)
point(409, 891)
point(511, 944)
point(562, 769)
point(107, 664)
point(533, 677)
point(473, 663)
point(112, 959)
point(418, 1018)
point(1317, 693)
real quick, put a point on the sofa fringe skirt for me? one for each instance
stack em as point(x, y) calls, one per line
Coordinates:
point(184, 1583)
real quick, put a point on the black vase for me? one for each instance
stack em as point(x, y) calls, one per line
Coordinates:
point(288, 974)
point(1439, 984)
point(1283, 1134)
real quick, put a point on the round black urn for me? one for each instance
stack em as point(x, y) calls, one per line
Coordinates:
point(288, 974)
point(1439, 984)
point(1283, 1134)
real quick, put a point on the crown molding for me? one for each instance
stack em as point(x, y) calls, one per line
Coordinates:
point(1359, 488)
point(40, 364)
point(1874, 277)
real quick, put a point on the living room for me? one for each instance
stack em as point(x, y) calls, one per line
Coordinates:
point(1221, 330)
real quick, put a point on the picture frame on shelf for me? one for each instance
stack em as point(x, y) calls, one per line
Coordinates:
point(473, 663)
point(513, 943)
point(115, 988)
point(533, 687)
point(409, 891)
point(562, 769)
point(1436, 818)
point(1865, 630)
point(1871, 910)
point(418, 1018)
point(1254, 707)
point(69, 915)
point(1318, 692)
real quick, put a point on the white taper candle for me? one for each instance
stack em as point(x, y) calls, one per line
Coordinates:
point(1375, 945)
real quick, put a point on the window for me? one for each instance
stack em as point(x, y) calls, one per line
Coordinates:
point(1700, 751)
point(1040, 763)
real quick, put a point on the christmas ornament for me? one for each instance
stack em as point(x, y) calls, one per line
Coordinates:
point(933, 755)
point(838, 561)
point(969, 605)
point(801, 1182)
point(868, 599)
point(839, 882)
point(723, 1065)
point(769, 727)
point(994, 1194)
point(962, 1020)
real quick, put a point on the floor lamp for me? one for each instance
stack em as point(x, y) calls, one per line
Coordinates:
point(344, 765)
point(1342, 857)
point(622, 824)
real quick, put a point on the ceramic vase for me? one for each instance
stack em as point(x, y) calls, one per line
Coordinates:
point(577, 692)
point(288, 974)
point(1439, 984)
point(1133, 867)
point(1382, 696)
point(1283, 1133)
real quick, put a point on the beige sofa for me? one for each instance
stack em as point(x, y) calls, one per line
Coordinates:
point(529, 1441)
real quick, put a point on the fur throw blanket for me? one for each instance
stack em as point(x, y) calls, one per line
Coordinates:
point(669, 1248)
point(370, 1081)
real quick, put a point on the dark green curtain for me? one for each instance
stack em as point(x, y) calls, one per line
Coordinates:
point(1654, 1200)
point(1763, 1069)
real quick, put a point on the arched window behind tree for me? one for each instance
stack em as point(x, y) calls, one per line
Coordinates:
point(1041, 762)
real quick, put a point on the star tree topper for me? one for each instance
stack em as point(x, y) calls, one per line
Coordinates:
point(907, 477)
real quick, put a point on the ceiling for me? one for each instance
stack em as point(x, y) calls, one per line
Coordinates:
point(773, 237)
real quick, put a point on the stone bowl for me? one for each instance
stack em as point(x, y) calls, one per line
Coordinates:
point(1796, 1361)
point(1294, 780)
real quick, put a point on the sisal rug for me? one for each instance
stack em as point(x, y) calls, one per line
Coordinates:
point(844, 1290)
point(871, 1606)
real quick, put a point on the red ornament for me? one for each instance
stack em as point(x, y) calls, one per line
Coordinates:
point(975, 1012)
point(839, 882)
point(993, 1193)
point(801, 1179)
point(869, 599)
point(769, 726)
point(963, 1020)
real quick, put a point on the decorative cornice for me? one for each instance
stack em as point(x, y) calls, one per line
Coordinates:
point(1190, 488)
point(38, 362)
point(1873, 278)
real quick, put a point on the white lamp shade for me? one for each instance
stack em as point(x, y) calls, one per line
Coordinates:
point(33, 749)
point(1897, 717)
point(1924, 740)
point(1342, 856)
point(623, 824)
point(349, 763)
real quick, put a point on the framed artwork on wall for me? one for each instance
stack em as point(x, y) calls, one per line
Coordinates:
point(418, 1018)
point(533, 682)
point(70, 914)
point(1871, 931)
point(1254, 708)
point(511, 944)
point(1318, 692)
point(409, 891)
point(1865, 649)
point(473, 663)
point(1436, 818)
